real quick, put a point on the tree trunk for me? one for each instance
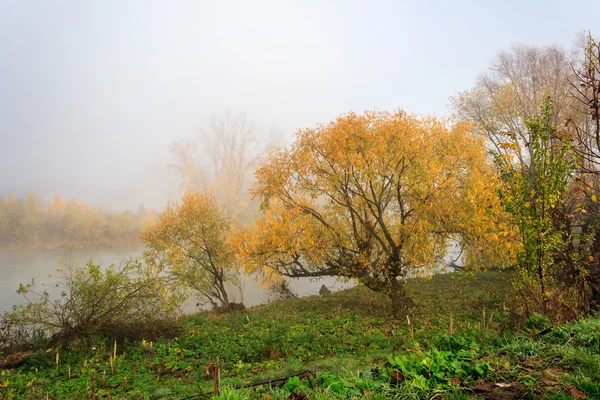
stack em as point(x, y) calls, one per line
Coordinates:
point(399, 298)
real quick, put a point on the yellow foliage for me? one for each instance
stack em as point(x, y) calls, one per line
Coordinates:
point(192, 239)
point(377, 194)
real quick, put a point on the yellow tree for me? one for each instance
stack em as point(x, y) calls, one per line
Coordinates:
point(191, 239)
point(375, 197)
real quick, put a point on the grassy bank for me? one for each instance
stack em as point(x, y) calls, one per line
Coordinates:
point(455, 343)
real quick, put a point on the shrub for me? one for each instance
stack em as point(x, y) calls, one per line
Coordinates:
point(99, 300)
point(537, 323)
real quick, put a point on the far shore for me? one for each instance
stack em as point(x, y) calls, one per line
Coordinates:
point(70, 246)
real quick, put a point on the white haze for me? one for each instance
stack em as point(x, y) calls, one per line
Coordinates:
point(93, 92)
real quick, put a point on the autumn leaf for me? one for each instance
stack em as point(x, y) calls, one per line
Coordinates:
point(456, 381)
point(548, 382)
point(397, 375)
point(482, 387)
point(578, 394)
point(528, 363)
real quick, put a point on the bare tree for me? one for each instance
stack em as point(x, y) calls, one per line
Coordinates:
point(585, 116)
point(221, 160)
point(512, 92)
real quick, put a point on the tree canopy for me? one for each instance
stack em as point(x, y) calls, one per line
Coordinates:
point(376, 197)
point(191, 240)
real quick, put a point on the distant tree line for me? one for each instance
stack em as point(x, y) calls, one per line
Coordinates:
point(30, 222)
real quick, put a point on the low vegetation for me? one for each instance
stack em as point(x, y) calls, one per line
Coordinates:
point(455, 343)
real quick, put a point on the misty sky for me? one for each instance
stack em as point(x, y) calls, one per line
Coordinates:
point(93, 92)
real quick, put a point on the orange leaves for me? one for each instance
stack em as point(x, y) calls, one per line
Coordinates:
point(378, 193)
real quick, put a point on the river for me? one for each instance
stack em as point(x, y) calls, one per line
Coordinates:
point(18, 267)
point(21, 266)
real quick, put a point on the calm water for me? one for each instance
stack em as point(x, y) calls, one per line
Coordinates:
point(21, 266)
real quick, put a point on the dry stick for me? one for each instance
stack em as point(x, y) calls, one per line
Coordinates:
point(69, 371)
point(451, 325)
point(112, 367)
point(216, 378)
point(124, 383)
point(483, 319)
point(115, 356)
point(93, 383)
point(490, 320)
point(104, 378)
point(57, 361)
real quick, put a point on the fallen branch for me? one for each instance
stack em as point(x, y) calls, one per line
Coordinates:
point(271, 381)
point(15, 360)
point(281, 379)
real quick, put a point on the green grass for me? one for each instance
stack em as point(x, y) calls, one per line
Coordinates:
point(343, 336)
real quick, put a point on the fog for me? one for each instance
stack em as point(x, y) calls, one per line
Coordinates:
point(93, 92)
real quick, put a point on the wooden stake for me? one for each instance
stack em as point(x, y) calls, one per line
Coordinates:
point(112, 366)
point(490, 320)
point(69, 371)
point(216, 378)
point(57, 361)
point(451, 325)
point(104, 378)
point(124, 383)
